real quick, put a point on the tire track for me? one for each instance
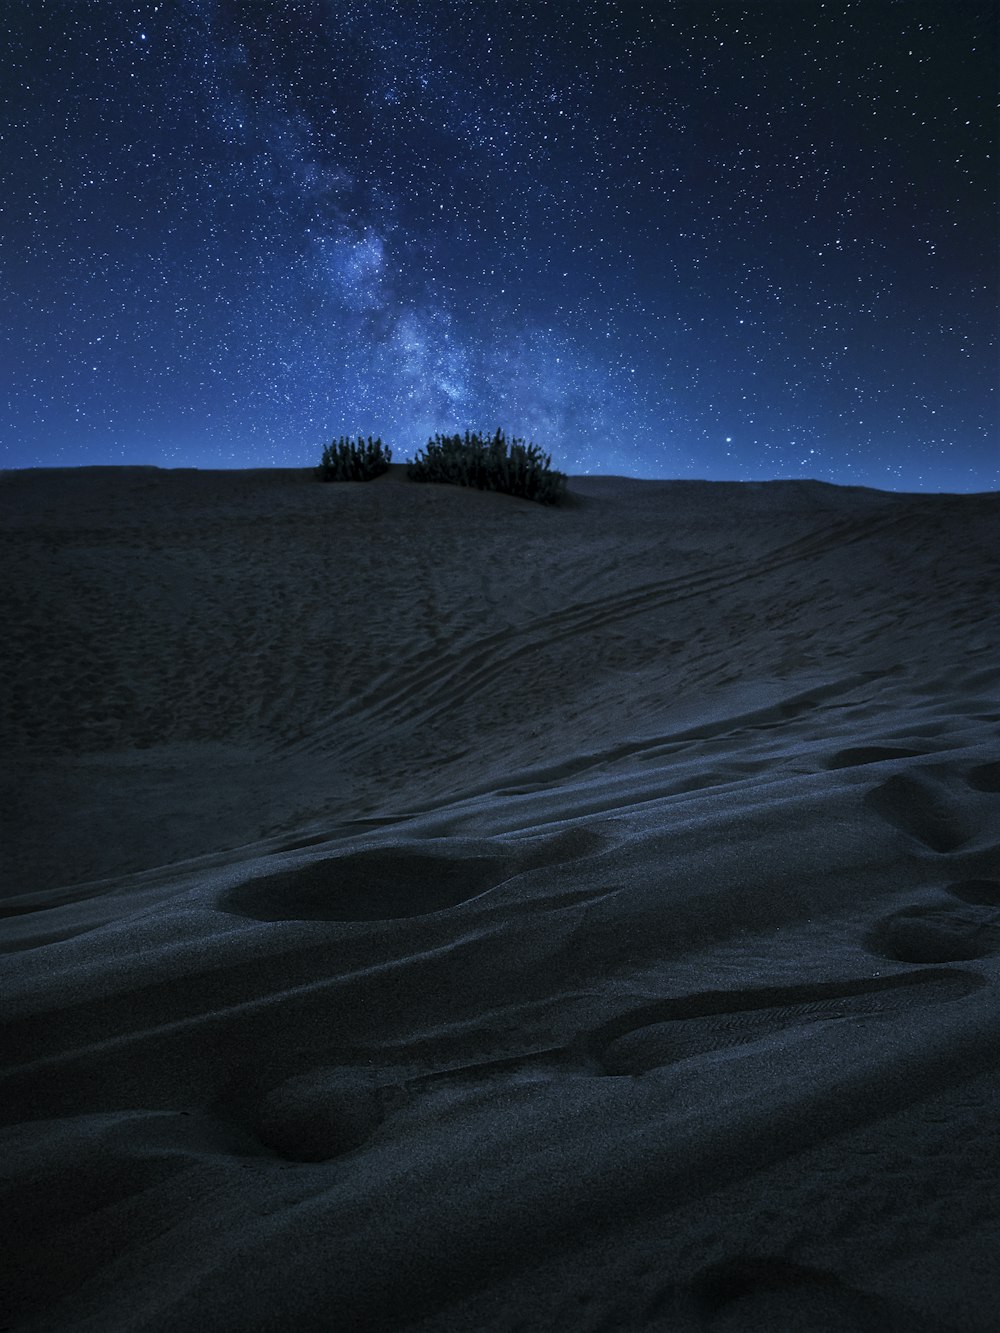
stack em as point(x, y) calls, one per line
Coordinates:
point(429, 680)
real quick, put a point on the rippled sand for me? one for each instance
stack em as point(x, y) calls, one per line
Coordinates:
point(427, 909)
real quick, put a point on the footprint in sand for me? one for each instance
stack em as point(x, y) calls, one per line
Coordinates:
point(986, 892)
point(984, 777)
point(948, 931)
point(319, 1115)
point(401, 880)
point(376, 884)
point(668, 1031)
point(747, 1294)
point(856, 755)
point(929, 805)
point(671, 1030)
point(919, 806)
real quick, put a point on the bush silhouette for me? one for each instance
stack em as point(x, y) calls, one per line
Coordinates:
point(490, 464)
point(349, 460)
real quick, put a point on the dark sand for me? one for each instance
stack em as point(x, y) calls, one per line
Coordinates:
point(426, 909)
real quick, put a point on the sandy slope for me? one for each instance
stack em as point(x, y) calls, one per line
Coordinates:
point(426, 908)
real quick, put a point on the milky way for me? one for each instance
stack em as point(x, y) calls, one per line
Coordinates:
point(694, 240)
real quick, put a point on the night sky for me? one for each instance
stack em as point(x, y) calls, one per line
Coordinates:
point(733, 241)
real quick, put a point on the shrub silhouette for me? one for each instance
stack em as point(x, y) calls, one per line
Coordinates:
point(490, 464)
point(349, 460)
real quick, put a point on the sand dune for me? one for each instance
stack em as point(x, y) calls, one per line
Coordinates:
point(426, 909)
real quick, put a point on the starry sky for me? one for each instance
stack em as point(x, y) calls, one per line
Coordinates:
point(722, 240)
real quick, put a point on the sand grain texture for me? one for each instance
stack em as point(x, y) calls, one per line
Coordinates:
point(426, 909)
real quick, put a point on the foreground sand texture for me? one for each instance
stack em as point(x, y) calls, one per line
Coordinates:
point(426, 909)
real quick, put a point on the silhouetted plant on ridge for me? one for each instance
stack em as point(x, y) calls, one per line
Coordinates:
point(490, 464)
point(349, 460)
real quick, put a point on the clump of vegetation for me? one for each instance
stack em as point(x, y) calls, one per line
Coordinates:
point(354, 460)
point(490, 464)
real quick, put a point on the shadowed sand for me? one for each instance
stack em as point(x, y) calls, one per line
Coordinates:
point(426, 909)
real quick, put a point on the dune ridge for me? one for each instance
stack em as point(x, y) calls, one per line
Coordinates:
point(426, 909)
